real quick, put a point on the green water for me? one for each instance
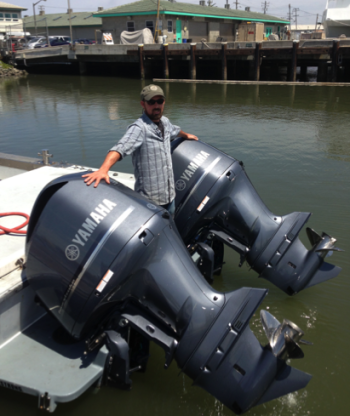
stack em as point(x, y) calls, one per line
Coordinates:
point(295, 145)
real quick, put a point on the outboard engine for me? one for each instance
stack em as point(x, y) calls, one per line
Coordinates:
point(217, 204)
point(113, 270)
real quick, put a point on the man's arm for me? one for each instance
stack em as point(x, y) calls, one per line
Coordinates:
point(111, 158)
point(187, 136)
point(131, 140)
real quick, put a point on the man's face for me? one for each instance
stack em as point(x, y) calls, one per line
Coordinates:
point(153, 109)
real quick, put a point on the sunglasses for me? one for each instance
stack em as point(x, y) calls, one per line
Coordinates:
point(159, 101)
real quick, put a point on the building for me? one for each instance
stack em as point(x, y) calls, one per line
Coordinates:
point(184, 21)
point(10, 20)
point(307, 32)
point(83, 24)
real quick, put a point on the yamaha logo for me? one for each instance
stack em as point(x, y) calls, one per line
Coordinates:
point(180, 185)
point(72, 252)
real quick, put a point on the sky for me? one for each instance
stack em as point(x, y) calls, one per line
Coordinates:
point(307, 13)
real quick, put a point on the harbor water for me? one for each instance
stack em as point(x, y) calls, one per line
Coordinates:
point(295, 145)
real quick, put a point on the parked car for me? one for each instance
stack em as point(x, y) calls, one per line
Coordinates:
point(54, 41)
point(33, 42)
point(61, 38)
point(83, 41)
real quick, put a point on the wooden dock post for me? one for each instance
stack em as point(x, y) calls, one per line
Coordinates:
point(165, 59)
point(193, 70)
point(335, 53)
point(142, 69)
point(293, 66)
point(303, 73)
point(223, 61)
point(322, 71)
point(257, 61)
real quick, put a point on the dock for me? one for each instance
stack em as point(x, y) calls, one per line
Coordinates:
point(235, 61)
point(298, 84)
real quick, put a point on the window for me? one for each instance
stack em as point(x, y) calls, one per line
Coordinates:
point(130, 26)
point(149, 24)
point(170, 26)
point(14, 16)
point(8, 17)
point(1, 16)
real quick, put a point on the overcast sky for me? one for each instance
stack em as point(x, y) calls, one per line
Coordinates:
point(306, 14)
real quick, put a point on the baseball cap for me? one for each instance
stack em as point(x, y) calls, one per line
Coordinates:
point(151, 91)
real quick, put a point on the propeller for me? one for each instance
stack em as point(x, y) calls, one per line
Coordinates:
point(284, 338)
point(324, 244)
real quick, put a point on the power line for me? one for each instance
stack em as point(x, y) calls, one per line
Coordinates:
point(311, 14)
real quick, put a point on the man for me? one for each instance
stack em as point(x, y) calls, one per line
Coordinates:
point(148, 140)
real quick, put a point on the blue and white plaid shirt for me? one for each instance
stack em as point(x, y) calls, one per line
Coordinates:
point(151, 157)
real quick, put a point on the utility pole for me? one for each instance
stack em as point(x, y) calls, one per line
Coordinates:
point(295, 11)
point(236, 1)
point(316, 22)
point(34, 4)
point(70, 23)
point(290, 16)
point(265, 5)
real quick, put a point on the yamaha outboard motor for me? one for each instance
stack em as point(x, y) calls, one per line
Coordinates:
point(113, 270)
point(217, 204)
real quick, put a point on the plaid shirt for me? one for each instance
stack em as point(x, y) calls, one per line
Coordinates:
point(151, 157)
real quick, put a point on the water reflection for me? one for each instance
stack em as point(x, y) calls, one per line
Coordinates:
point(113, 110)
point(333, 138)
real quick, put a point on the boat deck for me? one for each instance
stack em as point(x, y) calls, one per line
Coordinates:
point(36, 357)
point(18, 194)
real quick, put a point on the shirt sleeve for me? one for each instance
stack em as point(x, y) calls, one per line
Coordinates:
point(131, 140)
point(173, 130)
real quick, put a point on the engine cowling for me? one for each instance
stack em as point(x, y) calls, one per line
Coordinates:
point(105, 259)
point(216, 201)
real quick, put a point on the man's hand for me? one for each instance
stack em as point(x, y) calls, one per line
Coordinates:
point(96, 177)
point(102, 173)
point(187, 136)
point(191, 137)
